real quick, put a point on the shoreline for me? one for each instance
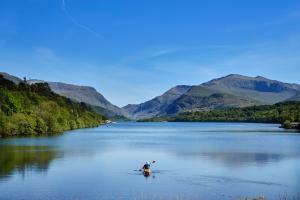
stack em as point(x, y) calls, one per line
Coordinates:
point(281, 126)
point(51, 134)
point(293, 127)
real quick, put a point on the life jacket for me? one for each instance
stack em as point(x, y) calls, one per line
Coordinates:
point(146, 166)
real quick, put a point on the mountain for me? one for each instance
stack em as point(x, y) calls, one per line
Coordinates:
point(84, 94)
point(258, 88)
point(155, 106)
point(77, 93)
point(296, 97)
point(12, 78)
point(230, 91)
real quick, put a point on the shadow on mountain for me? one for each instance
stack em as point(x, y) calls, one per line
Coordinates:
point(19, 159)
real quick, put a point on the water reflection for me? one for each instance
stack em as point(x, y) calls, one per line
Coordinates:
point(99, 163)
point(238, 159)
point(206, 180)
point(19, 159)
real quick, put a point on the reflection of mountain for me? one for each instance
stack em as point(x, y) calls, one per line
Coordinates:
point(238, 159)
point(22, 158)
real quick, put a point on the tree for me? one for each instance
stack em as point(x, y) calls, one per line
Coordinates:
point(35, 109)
point(41, 126)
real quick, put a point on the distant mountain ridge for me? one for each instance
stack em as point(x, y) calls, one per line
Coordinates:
point(85, 94)
point(155, 106)
point(257, 88)
point(233, 90)
point(12, 78)
point(229, 91)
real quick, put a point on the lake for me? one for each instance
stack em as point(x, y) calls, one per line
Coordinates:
point(193, 161)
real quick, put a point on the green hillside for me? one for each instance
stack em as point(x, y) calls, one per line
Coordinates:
point(34, 110)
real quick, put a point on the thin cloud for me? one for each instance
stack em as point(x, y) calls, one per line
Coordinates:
point(75, 22)
point(148, 55)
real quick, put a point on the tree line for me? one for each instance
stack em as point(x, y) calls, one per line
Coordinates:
point(285, 113)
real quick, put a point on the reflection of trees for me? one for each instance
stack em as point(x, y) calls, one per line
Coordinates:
point(22, 158)
point(240, 158)
point(237, 159)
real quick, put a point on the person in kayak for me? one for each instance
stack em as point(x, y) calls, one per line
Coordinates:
point(146, 166)
point(146, 169)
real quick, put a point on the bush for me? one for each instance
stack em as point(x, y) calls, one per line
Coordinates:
point(41, 126)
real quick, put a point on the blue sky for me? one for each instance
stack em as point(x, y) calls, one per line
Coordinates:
point(131, 51)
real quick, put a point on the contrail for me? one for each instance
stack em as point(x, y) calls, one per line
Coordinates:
point(75, 22)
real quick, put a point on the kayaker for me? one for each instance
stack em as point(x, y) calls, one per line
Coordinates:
point(146, 166)
point(146, 169)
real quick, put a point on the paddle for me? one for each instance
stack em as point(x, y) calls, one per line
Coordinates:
point(154, 161)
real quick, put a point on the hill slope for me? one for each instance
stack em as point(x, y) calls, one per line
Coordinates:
point(9, 77)
point(84, 94)
point(156, 105)
point(296, 97)
point(34, 109)
point(258, 88)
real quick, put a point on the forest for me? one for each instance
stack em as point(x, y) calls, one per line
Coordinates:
point(33, 109)
point(285, 113)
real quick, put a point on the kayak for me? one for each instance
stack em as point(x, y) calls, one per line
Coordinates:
point(147, 171)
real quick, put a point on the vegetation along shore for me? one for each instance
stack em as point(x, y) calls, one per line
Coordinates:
point(286, 113)
point(33, 109)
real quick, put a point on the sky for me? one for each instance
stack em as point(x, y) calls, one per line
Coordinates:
point(132, 51)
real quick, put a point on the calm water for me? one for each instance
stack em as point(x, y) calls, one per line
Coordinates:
point(194, 161)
